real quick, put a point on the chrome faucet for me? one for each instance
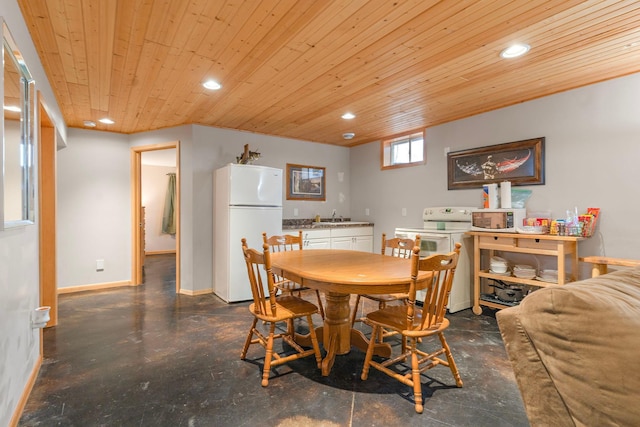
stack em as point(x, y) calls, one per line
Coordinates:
point(333, 216)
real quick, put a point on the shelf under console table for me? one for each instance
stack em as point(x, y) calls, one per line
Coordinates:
point(559, 247)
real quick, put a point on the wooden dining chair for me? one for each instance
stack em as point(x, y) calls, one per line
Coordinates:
point(397, 247)
point(271, 310)
point(289, 242)
point(413, 323)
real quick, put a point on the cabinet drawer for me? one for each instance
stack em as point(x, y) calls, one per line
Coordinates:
point(538, 244)
point(507, 242)
point(316, 234)
point(351, 231)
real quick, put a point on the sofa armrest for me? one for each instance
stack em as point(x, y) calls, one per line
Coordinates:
point(541, 399)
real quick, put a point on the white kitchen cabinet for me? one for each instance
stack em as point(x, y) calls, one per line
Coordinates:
point(316, 239)
point(363, 243)
point(341, 242)
point(353, 238)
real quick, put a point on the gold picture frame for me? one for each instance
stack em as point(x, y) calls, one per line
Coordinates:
point(305, 182)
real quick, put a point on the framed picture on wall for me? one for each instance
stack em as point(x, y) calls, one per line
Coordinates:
point(521, 162)
point(305, 182)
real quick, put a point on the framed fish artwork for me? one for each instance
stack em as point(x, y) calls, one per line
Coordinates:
point(520, 162)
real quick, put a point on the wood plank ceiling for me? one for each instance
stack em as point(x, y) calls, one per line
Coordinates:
point(293, 67)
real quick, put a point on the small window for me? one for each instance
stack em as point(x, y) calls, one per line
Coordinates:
point(406, 150)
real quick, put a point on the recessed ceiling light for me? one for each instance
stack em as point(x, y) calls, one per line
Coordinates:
point(515, 50)
point(348, 135)
point(106, 121)
point(212, 85)
point(90, 123)
point(348, 116)
point(12, 108)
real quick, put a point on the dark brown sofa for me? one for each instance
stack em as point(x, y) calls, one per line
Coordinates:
point(575, 351)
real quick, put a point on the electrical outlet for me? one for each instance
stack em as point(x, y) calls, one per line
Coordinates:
point(404, 211)
point(99, 265)
point(295, 211)
point(366, 212)
point(446, 151)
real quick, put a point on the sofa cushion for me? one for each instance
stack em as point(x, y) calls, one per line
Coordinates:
point(587, 336)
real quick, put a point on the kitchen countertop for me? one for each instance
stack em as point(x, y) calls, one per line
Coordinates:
point(309, 224)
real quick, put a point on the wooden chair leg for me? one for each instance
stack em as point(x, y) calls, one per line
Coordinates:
point(382, 332)
point(354, 316)
point(314, 343)
point(247, 342)
point(320, 305)
point(369, 355)
point(268, 356)
point(291, 329)
point(415, 378)
point(452, 363)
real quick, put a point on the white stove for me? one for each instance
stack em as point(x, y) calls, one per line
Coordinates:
point(443, 228)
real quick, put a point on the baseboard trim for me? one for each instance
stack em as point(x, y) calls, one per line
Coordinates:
point(171, 251)
point(93, 287)
point(26, 392)
point(195, 293)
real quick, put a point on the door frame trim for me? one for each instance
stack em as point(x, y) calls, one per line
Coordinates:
point(136, 202)
point(47, 196)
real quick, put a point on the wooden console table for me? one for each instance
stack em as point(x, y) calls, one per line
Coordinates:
point(559, 247)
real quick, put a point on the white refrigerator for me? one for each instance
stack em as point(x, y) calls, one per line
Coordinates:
point(247, 202)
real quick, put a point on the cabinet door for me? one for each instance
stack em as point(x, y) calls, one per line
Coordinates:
point(341, 242)
point(363, 243)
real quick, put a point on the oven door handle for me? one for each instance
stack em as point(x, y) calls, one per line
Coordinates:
point(431, 237)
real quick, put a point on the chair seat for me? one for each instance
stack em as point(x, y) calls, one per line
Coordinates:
point(395, 318)
point(386, 297)
point(287, 307)
point(289, 286)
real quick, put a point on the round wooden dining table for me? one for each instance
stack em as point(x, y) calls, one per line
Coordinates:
point(340, 273)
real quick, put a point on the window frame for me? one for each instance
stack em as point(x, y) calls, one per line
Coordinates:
point(385, 150)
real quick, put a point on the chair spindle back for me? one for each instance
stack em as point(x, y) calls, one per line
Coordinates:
point(442, 268)
point(283, 243)
point(256, 262)
point(398, 247)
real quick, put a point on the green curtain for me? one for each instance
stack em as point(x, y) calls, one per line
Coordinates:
point(169, 216)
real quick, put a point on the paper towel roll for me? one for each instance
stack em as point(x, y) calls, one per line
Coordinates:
point(505, 195)
point(493, 196)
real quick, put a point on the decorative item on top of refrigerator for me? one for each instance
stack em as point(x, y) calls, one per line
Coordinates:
point(247, 202)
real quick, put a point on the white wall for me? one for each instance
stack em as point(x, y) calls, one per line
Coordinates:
point(202, 150)
point(19, 257)
point(94, 208)
point(217, 147)
point(154, 183)
point(592, 154)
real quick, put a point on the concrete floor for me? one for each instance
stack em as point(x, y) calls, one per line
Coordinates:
point(144, 356)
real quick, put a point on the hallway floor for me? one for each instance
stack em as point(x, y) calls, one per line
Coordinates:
point(144, 356)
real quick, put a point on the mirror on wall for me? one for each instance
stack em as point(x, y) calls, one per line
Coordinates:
point(18, 197)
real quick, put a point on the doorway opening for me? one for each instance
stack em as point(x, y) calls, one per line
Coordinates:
point(150, 161)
